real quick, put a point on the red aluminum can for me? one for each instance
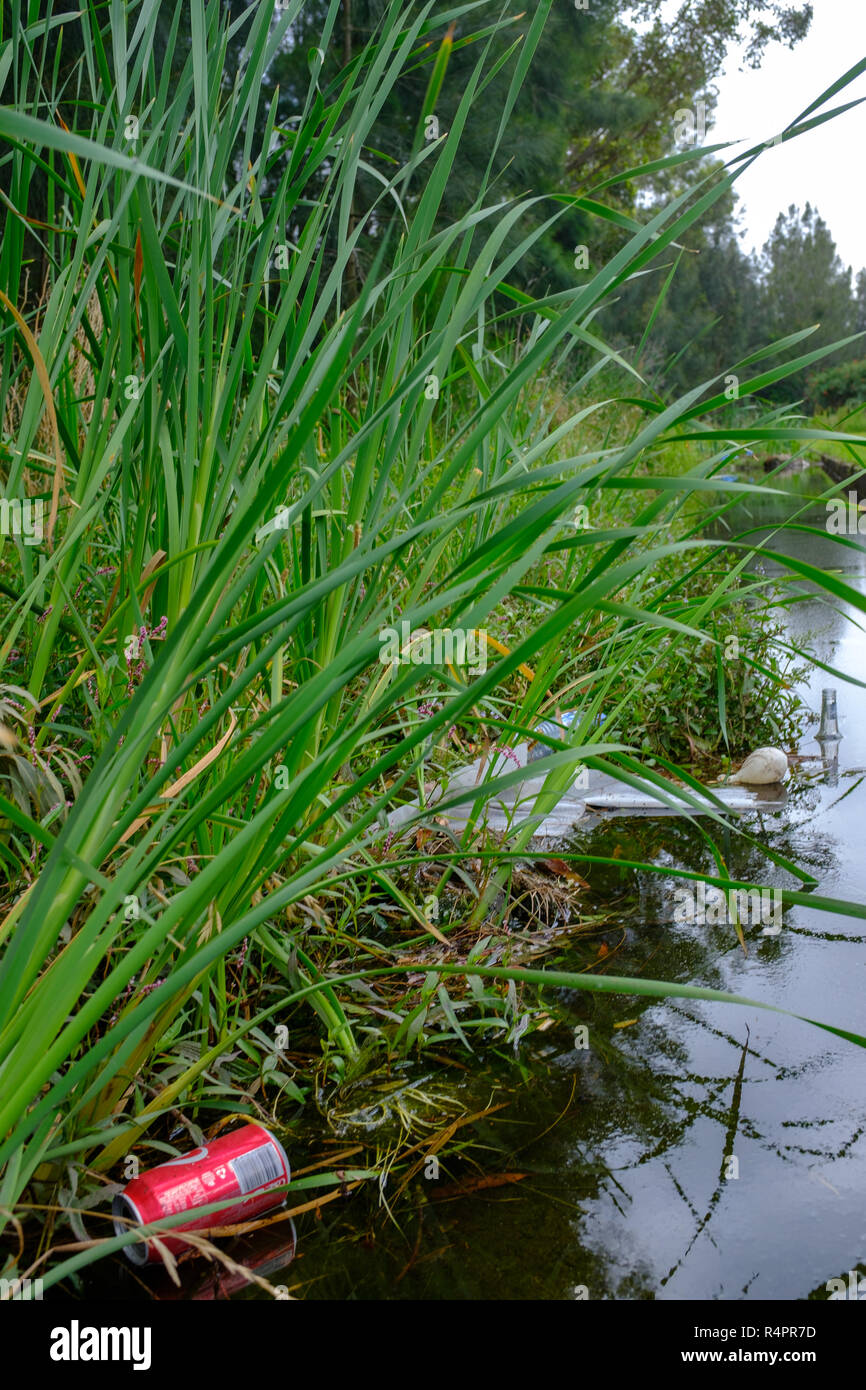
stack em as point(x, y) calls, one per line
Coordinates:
point(247, 1164)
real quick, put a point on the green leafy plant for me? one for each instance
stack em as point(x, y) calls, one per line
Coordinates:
point(732, 692)
point(839, 386)
point(268, 467)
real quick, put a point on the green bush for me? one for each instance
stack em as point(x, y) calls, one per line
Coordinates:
point(724, 696)
point(696, 701)
point(835, 387)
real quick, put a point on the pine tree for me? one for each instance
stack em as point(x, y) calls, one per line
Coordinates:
point(804, 282)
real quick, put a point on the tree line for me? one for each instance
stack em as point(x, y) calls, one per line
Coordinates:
point(605, 94)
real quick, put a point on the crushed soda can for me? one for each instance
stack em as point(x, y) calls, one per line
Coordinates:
point(249, 1164)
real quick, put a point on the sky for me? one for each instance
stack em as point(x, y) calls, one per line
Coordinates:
point(827, 166)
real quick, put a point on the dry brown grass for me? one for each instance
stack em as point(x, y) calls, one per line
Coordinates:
point(80, 382)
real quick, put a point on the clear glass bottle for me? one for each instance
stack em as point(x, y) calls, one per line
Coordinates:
point(829, 729)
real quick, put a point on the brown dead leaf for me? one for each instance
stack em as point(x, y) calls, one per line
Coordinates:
point(479, 1184)
point(564, 870)
point(182, 782)
point(41, 369)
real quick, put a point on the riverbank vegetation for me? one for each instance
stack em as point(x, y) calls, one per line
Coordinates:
point(282, 385)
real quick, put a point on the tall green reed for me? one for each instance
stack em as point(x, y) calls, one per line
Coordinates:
point(280, 471)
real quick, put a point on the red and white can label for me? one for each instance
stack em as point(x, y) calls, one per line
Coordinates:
point(248, 1164)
